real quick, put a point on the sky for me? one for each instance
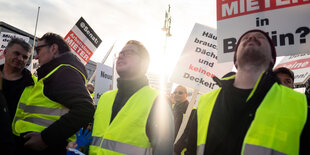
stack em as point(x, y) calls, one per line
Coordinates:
point(117, 21)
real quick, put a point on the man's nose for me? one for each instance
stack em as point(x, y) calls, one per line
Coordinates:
point(20, 57)
point(36, 57)
point(252, 37)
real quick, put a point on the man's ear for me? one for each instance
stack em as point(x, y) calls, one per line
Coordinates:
point(54, 49)
point(236, 64)
point(272, 61)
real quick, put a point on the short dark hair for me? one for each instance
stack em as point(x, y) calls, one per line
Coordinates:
point(20, 42)
point(143, 53)
point(52, 38)
point(284, 70)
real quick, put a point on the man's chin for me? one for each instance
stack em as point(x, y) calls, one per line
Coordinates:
point(18, 68)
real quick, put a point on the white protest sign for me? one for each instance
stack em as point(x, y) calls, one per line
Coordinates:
point(198, 62)
point(5, 37)
point(299, 64)
point(83, 40)
point(286, 21)
point(103, 80)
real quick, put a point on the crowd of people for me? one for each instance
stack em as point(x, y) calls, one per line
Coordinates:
point(255, 110)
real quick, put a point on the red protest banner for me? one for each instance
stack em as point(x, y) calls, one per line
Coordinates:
point(78, 46)
point(297, 64)
point(234, 8)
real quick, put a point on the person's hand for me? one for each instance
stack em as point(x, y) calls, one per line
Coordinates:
point(35, 141)
point(72, 145)
point(83, 137)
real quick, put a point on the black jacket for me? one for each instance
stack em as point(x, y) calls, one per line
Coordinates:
point(7, 142)
point(67, 87)
point(178, 110)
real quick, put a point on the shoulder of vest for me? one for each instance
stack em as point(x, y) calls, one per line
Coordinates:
point(212, 92)
point(208, 95)
point(110, 92)
point(34, 78)
point(289, 90)
point(151, 89)
point(65, 65)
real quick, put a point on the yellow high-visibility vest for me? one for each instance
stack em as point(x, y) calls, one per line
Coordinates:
point(126, 134)
point(38, 112)
point(277, 126)
point(23, 98)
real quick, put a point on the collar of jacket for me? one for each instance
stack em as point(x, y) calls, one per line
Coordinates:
point(131, 86)
point(267, 78)
point(65, 58)
point(27, 76)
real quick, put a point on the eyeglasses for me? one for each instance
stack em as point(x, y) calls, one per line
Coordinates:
point(178, 92)
point(127, 53)
point(37, 49)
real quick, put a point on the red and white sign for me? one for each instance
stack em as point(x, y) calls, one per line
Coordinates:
point(198, 63)
point(286, 21)
point(83, 40)
point(5, 37)
point(299, 64)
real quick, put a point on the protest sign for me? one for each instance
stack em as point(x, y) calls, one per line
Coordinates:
point(197, 64)
point(83, 40)
point(299, 64)
point(286, 22)
point(103, 80)
point(5, 37)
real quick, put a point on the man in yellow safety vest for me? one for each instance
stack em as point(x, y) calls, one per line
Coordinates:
point(59, 103)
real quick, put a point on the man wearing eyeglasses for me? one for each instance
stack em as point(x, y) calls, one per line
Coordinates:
point(132, 119)
point(59, 104)
point(179, 107)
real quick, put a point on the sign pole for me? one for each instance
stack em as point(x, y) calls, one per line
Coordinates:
point(34, 42)
point(103, 60)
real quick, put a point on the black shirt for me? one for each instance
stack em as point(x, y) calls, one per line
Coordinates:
point(178, 110)
point(224, 130)
point(7, 144)
point(12, 90)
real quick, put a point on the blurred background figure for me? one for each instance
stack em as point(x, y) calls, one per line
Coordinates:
point(286, 76)
point(179, 106)
point(90, 87)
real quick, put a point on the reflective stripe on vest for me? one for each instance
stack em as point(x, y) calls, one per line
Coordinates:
point(96, 141)
point(36, 120)
point(201, 149)
point(120, 147)
point(255, 149)
point(278, 123)
point(43, 110)
point(39, 121)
